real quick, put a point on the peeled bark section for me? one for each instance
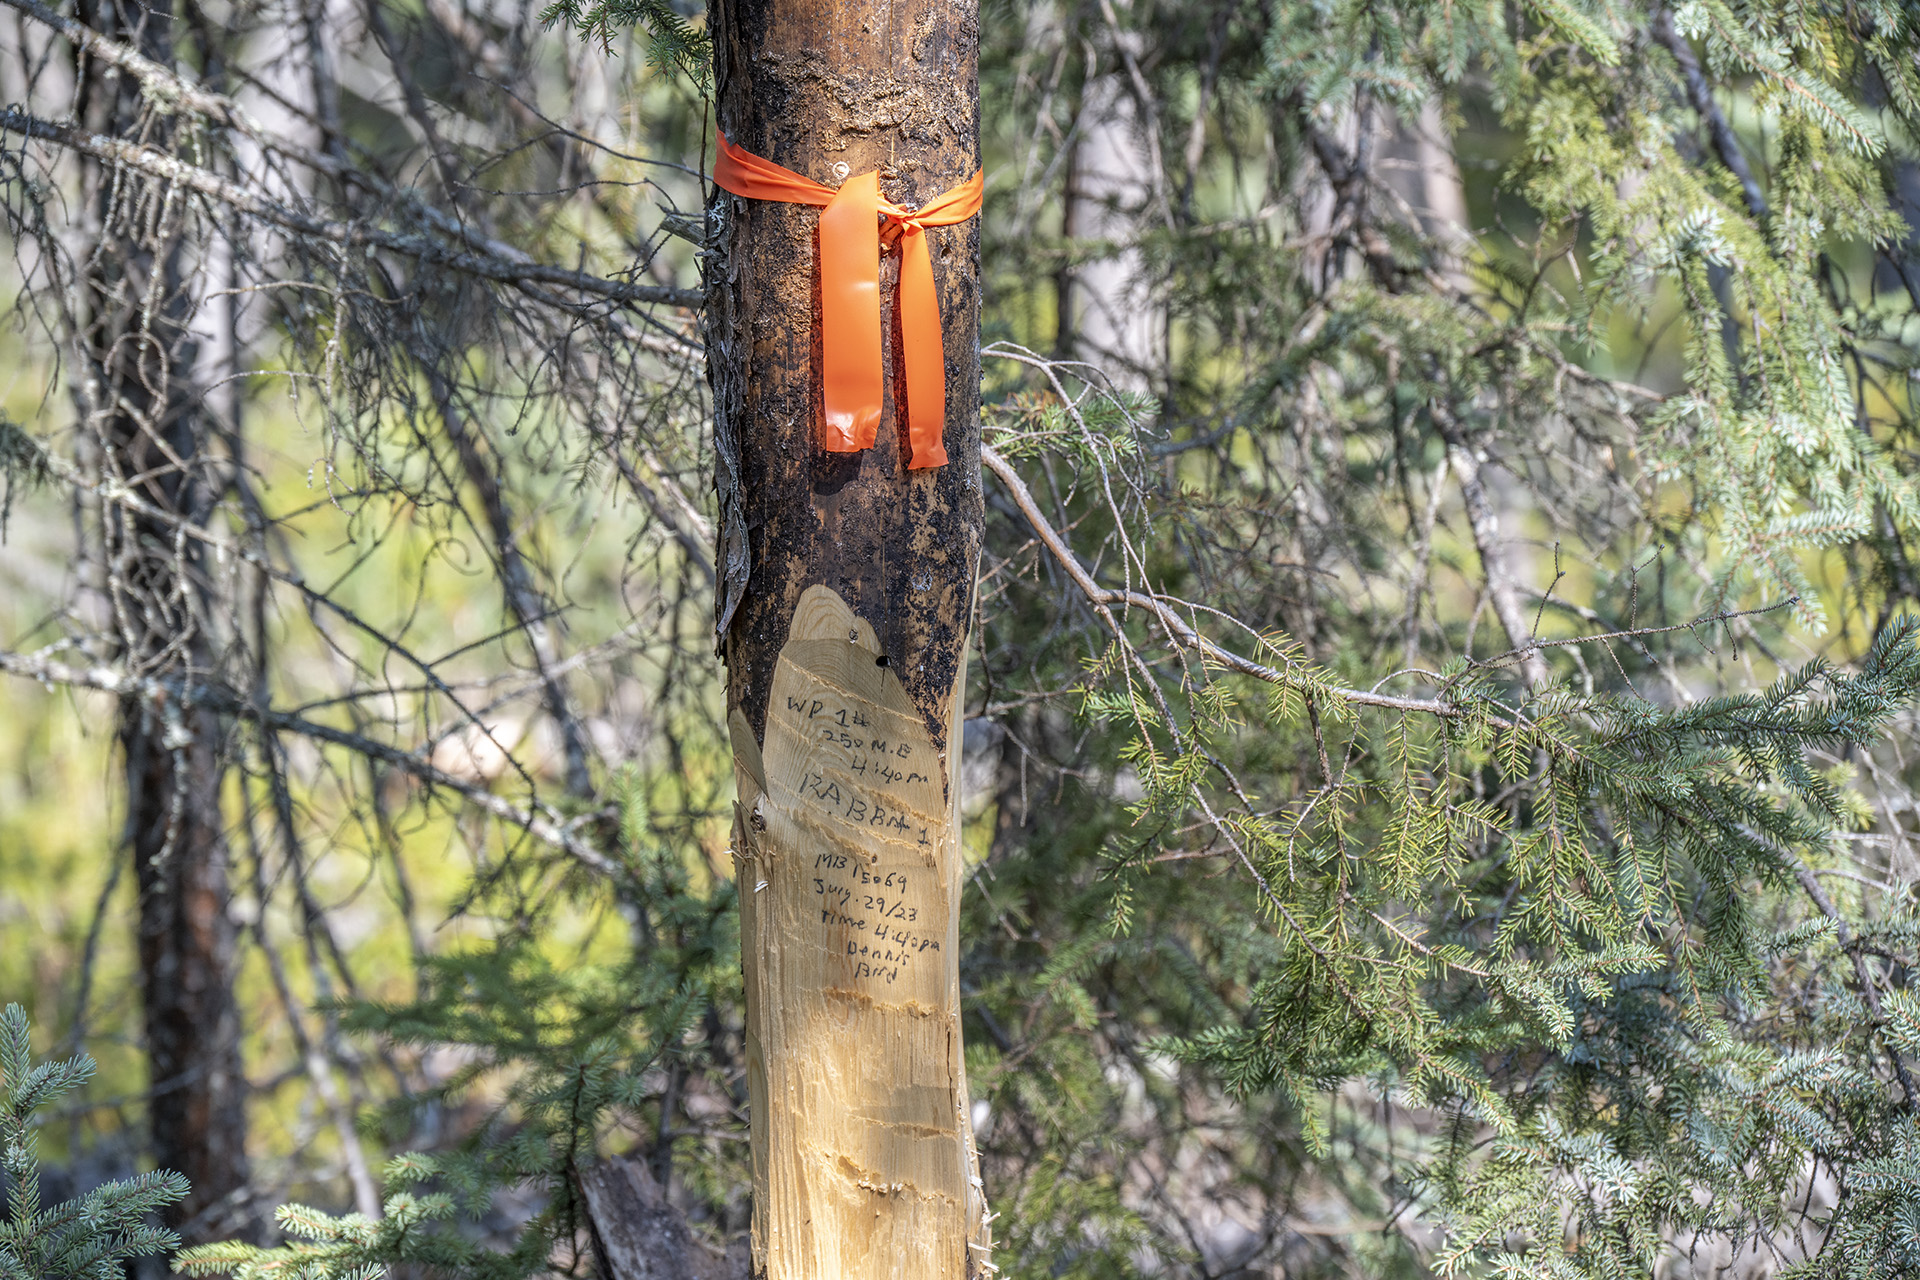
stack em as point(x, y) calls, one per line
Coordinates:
point(843, 613)
point(850, 872)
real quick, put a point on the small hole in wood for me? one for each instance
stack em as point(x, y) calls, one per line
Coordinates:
point(880, 661)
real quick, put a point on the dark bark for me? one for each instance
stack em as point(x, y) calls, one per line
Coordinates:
point(151, 433)
point(639, 1235)
point(810, 84)
point(197, 1112)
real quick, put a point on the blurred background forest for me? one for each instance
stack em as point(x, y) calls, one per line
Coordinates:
point(1436, 802)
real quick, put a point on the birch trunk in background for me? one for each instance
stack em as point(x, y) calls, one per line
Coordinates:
point(1115, 323)
point(844, 613)
point(1418, 163)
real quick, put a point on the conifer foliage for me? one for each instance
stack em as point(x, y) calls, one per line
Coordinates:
point(1440, 721)
point(565, 1057)
point(92, 1236)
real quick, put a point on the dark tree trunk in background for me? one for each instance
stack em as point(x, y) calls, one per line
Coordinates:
point(150, 433)
point(844, 612)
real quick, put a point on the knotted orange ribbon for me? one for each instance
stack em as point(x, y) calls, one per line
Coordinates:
point(852, 378)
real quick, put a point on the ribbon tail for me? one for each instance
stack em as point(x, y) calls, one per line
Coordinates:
point(852, 380)
point(922, 353)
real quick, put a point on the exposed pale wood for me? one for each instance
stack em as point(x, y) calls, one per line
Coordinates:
point(849, 869)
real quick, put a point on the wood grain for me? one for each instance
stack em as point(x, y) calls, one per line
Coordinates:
point(849, 869)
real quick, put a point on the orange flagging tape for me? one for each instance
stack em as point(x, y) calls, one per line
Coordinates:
point(850, 239)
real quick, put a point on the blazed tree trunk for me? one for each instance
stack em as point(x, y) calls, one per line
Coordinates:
point(150, 432)
point(844, 612)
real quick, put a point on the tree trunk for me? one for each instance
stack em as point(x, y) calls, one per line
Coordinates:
point(1116, 324)
point(197, 1111)
point(844, 614)
point(150, 431)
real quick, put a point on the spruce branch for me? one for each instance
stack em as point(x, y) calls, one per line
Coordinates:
point(92, 1236)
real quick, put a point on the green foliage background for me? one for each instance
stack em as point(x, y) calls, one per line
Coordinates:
point(1360, 955)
